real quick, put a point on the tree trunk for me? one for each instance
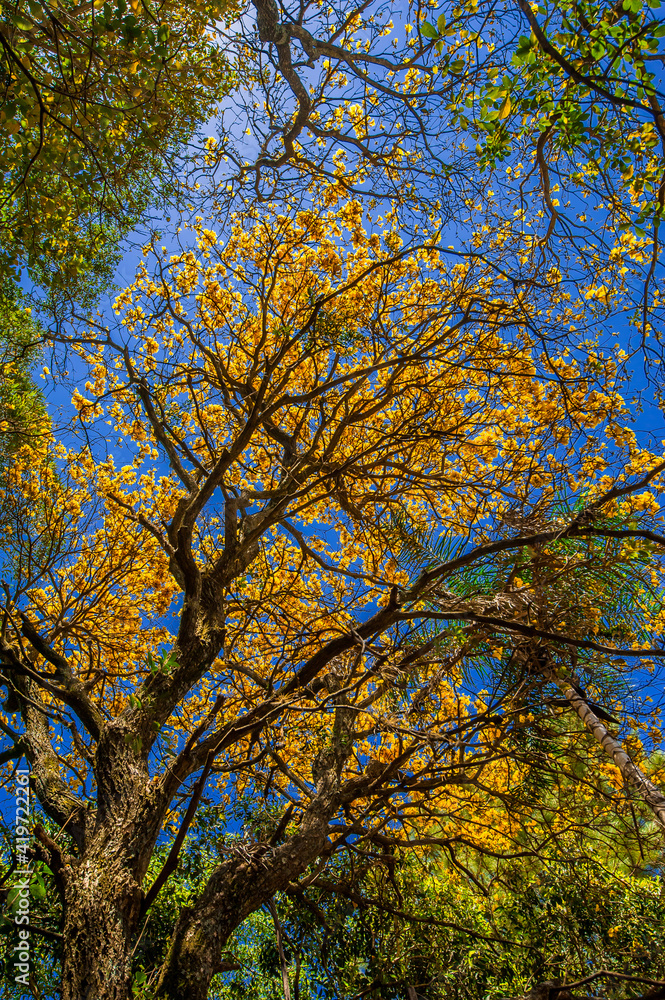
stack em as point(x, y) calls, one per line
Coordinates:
point(649, 792)
point(193, 958)
point(102, 907)
point(232, 893)
point(239, 885)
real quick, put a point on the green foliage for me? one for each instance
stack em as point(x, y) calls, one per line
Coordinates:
point(581, 85)
point(45, 913)
point(95, 100)
point(22, 409)
point(422, 922)
point(532, 921)
point(419, 549)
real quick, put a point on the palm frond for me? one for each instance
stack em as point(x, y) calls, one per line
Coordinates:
point(416, 548)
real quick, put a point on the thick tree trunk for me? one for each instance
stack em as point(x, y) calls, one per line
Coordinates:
point(102, 887)
point(102, 907)
point(193, 957)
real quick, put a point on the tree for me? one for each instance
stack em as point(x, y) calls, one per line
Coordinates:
point(22, 412)
point(435, 929)
point(369, 507)
point(375, 919)
point(427, 107)
point(98, 102)
point(543, 124)
point(25, 431)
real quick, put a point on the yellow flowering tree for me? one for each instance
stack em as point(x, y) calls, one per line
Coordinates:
point(339, 522)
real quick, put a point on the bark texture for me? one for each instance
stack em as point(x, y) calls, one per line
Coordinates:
point(102, 907)
point(102, 887)
point(632, 774)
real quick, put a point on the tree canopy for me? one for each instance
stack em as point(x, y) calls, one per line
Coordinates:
point(96, 102)
point(332, 588)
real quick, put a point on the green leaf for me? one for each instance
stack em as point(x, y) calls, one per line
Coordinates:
point(428, 30)
point(37, 887)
